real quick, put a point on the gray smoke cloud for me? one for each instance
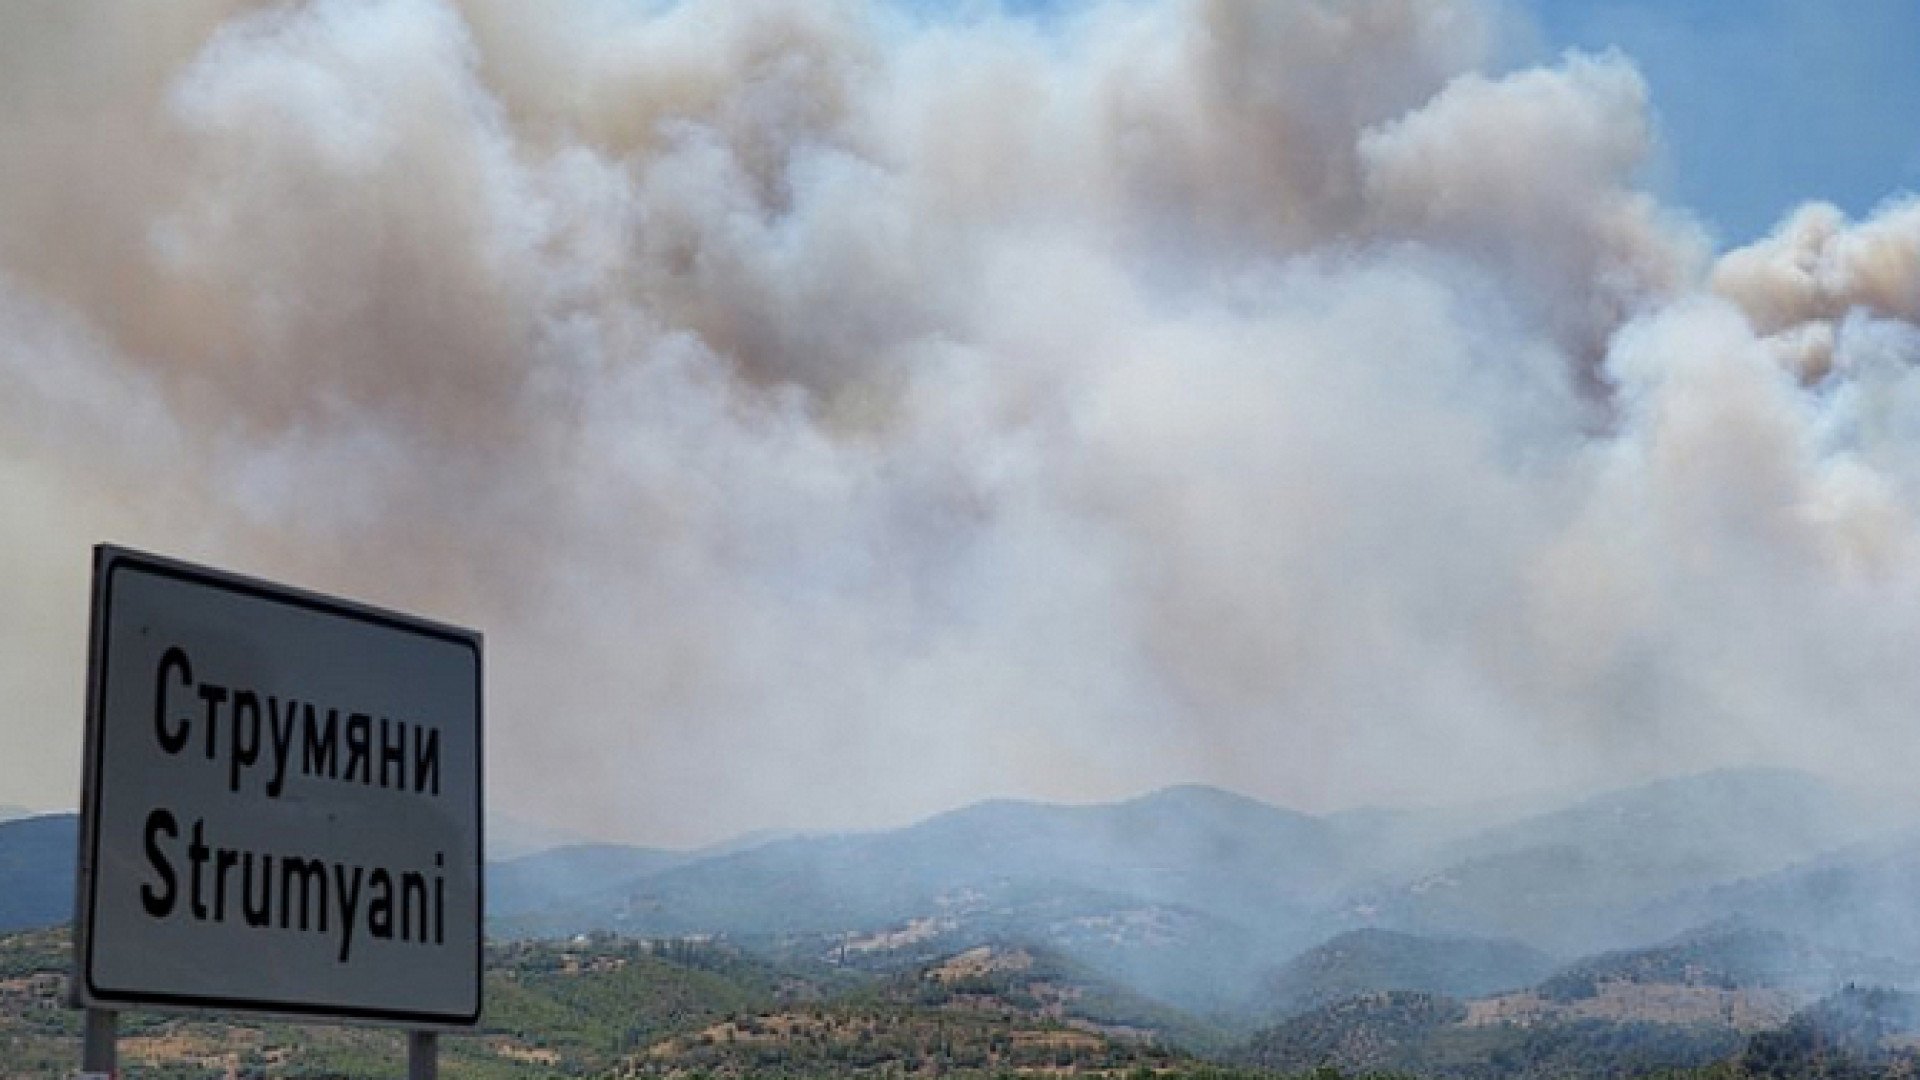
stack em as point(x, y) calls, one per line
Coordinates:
point(832, 414)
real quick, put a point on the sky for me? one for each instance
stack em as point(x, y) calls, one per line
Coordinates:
point(833, 413)
point(1759, 106)
point(1766, 105)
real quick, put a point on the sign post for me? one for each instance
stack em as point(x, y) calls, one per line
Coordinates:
point(423, 1055)
point(282, 807)
point(97, 1053)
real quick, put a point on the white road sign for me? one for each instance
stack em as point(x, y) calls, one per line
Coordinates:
point(282, 806)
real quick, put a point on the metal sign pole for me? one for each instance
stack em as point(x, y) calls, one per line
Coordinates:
point(97, 1053)
point(423, 1055)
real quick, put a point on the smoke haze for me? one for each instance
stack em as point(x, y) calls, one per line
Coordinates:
point(832, 415)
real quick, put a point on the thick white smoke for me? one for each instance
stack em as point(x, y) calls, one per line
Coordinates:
point(833, 414)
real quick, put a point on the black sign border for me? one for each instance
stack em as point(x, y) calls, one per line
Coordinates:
point(107, 559)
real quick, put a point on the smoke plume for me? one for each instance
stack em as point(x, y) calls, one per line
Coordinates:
point(832, 413)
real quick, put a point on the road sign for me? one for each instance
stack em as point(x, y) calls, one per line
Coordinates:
point(282, 805)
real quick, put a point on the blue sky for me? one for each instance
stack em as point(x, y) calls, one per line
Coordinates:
point(1766, 103)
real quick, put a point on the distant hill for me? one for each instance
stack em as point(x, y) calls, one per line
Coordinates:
point(1192, 894)
point(562, 875)
point(1742, 821)
point(37, 870)
point(1195, 847)
point(554, 873)
point(510, 837)
point(1367, 962)
point(1712, 912)
point(1730, 955)
point(1567, 881)
point(1184, 892)
point(1859, 899)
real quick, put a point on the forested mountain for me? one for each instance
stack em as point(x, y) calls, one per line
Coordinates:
point(1593, 875)
point(1184, 925)
point(1366, 962)
point(1859, 898)
point(1732, 955)
point(1200, 896)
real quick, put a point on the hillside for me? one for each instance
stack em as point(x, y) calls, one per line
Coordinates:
point(1728, 821)
point(571, 1007)
point(1582, 879)
point(991, 1009)
point(1858, 898)
point(1194, 894)
point(1186, 893)
point(1853, 1035)
point(1197, 891)
point(603, 1004)
point(1727, 993)
point(1198, 848)
point(1433, 1036)
point(37, 870)
point(1730, 955)
point(1366, 962)
point(1180, 921)
point(1236, 874)
point(1862, 1022)
point(1382, 1031)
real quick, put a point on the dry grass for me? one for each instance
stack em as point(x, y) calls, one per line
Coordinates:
point(1746, 1011)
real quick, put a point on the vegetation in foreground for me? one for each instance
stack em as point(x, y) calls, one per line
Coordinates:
point(607, 1006)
